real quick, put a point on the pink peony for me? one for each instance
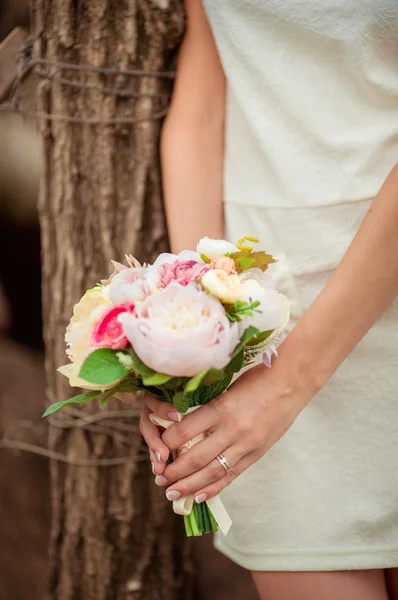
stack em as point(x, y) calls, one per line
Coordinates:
point(108, 332)
point(225, 263)
point(181, 331)
point(181, 271)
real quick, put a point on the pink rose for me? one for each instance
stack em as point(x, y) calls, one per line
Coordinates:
point(108, 332)
point(181, 271)
point(225, 263)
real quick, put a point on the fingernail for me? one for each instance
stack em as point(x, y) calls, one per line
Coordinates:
point(172, 495)
point(200, 498)
point(175, 416)
point(157, 454)
point(160, 480)
point(153, 468)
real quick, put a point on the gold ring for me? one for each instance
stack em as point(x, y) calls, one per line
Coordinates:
point(224, 463)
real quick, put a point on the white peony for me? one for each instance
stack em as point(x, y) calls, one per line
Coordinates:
point(274, 307)
point(181, 331)
point(213, 249)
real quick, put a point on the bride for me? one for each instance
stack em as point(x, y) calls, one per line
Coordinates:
point(284, 125)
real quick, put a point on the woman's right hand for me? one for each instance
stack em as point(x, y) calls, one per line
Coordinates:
point(159, 453)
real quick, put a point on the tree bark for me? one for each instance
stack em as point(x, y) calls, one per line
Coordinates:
point(113, 535)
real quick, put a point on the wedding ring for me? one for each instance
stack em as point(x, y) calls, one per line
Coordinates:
point(224, 463)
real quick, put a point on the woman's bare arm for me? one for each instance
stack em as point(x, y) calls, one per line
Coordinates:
point(192, 143)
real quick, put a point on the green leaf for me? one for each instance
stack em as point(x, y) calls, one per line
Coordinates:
point(245, 262)
point(235, 365)
point(156, 379)
point(260, 337)
point(182, 402)
point(242, 308)
point(258, 259)
point(205, 258)
point(193, 383)
point(204, 394)
point(175, 383)
point(103, 367)
point(249, 334)
point(79, 399)
point(212, 376)
point(140, 367)
point(127, 385)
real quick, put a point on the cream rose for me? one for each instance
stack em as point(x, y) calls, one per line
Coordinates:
point(86, 313)
point(227, 288)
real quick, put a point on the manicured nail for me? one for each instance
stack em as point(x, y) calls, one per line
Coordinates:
point(160, 480)
point(172, 495)
point(175, 416)
point(157, 454)
point(200, 498)
point(153, 468)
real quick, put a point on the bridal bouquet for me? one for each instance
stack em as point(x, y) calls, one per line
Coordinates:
point(179, 329)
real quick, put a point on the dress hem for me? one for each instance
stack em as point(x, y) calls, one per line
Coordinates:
point(303, 560)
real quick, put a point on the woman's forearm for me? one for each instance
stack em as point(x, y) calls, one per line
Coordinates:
point(192, 143)
point(361, 289)
point(192, 167)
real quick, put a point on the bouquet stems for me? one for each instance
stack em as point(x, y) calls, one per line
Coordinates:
point(199, 521)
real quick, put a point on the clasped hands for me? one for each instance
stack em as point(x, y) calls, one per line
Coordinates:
point(243, 423)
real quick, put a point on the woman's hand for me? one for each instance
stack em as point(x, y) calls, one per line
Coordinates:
point(243, 424)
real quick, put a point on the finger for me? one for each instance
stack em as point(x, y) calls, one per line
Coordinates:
point(212, 473)
point(196, 458)
point(152, 436)
point(156, 466)
point(192, 425)
point(165, 410)
point(212, 490)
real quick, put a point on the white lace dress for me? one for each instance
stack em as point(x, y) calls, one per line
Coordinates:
point(312, 133)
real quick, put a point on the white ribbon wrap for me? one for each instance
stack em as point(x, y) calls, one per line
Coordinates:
point(183, 506)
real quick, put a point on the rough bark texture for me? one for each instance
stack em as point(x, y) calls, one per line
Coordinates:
point(113, 535)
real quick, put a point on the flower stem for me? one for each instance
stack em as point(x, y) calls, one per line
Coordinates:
point(188, 528)
point(194, 524)
point(213, 522)
point(206, 520)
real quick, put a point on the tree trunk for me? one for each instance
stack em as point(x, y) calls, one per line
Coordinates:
point(113, 534)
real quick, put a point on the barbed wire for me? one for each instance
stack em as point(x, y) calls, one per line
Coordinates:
point(27, 65)
point(54, 71)
point(78, 422)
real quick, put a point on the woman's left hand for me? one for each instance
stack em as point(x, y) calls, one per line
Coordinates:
point(243, 423)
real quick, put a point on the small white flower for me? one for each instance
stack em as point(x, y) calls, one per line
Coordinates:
point(213, 249)
point(125, 360)
point(226, 288)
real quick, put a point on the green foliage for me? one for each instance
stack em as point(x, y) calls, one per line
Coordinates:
point(193, 383)
point(79, 399)
point(249, 335)
point(242, 309)
point(204, 394)
point(103, 367)
point(205, 258)
point(246, 259)
point(139, 367)
point(182, 401)
point(259, 338)
point(156, 379)
point(236, 363)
